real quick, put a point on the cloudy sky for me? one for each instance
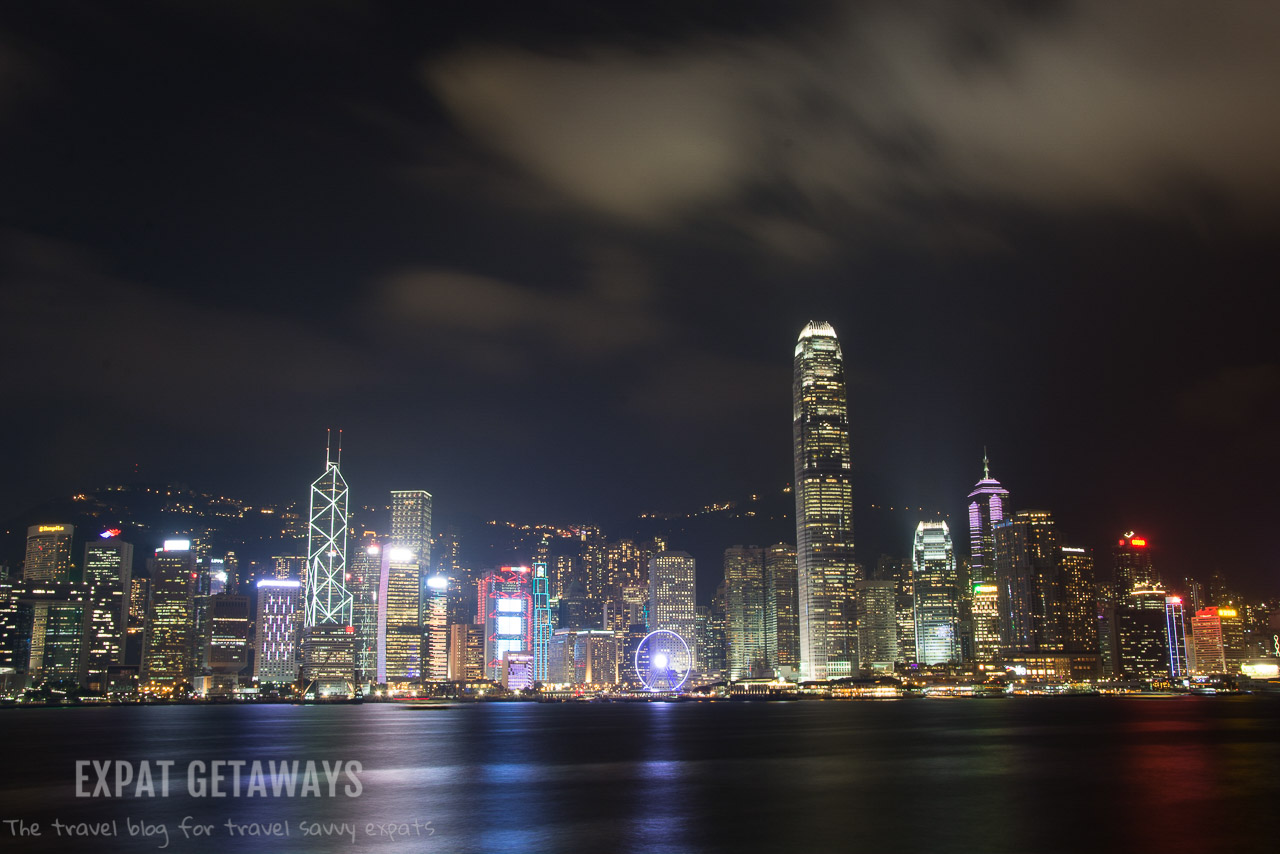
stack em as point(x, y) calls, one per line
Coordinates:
point(550, 263)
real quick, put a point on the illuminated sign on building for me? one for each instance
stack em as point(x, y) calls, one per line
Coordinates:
point(177, 545)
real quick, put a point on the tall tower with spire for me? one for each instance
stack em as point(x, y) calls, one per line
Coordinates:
point(826, 571)
point(988, 504)
point(328, 633)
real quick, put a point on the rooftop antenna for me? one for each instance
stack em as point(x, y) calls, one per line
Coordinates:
point(328, 436)
point(986, 467)
point(339, 446)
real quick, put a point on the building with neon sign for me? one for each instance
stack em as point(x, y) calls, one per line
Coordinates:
point(48, 553)
point(826, 571)
point(988, 505)
point(506, 606)
point(1133, 565)
point(1176, 634)
point(1206, 641)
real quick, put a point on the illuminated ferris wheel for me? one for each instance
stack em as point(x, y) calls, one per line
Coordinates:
point(663, 661)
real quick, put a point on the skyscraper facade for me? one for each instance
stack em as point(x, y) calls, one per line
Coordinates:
point(506, 606)
point(877, 625)
point(744, 585)
point(108, 573)
point(672, 588)
point(1133, 564)
point(781, 613)
point(1080, 603)
point(48, 553)
point(328, 634)
point(1032, 612)
point(988, 505)
point(826, 572)
point(171, 616)
point(275, 659)
point(937, 595)
point(435, 630)
point(399, 616)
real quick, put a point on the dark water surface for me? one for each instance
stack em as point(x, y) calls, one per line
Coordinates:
point(1014, 775)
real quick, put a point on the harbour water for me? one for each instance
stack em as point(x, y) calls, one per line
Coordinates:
point(1060, 774)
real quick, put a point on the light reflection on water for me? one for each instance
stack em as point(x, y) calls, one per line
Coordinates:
point(1000, 776)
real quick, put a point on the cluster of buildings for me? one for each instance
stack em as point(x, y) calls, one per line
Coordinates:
point(395, 611)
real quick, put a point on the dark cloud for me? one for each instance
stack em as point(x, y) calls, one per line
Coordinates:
point(889, 107)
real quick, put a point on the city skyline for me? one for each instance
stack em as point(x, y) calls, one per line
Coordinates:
point(482, 292)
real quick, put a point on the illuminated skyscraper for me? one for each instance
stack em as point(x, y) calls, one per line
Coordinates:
point(363, 581)
point(542, 624)
point(877, 625)
point(988, 505)
point(435, 630)
point(171, 617)
point(1133, 566)
point(399, 616)
point(506, 599)
point(48, 553)
point(1080, 604)
point(108, 573)
point(411, 523)
point(937, 595)
point(826, 572)
point(1176, 632)
point(672, 587)
point(1028, 572)
point(744, 585)
point(781, 614)
point(328, 642)
point(1142, 632)
point(1206, 639)
point(275, 658)
point(466, 652)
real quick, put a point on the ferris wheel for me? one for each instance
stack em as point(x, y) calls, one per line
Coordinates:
point(663, 661)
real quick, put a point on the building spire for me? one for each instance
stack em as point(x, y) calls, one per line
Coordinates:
point(328, 440)
point(986, 466)
point(339, 446)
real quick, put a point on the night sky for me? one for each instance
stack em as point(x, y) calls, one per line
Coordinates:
point(549, 261)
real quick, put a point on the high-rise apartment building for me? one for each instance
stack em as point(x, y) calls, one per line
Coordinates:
point(937, 595)
point(744, 586)
point(48, 553)
point(781, 612)
point(826, 571)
